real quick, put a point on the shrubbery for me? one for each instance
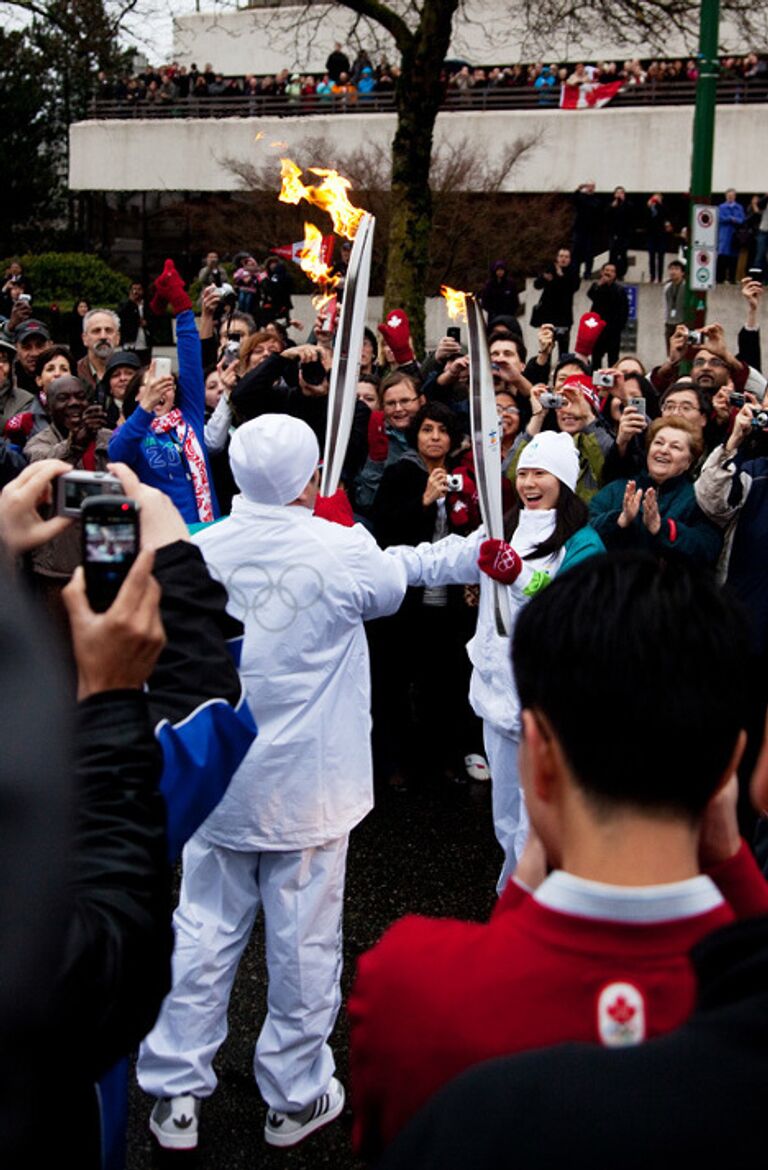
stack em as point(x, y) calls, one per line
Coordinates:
point(63, 278)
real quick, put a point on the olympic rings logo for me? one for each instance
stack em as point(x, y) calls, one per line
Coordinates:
point(273, 603)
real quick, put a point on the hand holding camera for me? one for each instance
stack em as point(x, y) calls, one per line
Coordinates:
point(116, 649)
point(551, 401)
point(437, 486)
point(22, 527)
point(632, 423)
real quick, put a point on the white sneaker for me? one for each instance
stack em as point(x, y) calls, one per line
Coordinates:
point(286, 1129)
point(477, 767)
point(174, 1121)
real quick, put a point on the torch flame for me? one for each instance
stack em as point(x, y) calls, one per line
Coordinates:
point(311, 260)
point(456, 302)
point(330, 195)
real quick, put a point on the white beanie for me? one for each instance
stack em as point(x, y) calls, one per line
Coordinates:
point(273, 458)
point(554, 452)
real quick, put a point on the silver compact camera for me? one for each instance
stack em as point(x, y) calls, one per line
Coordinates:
point(454, 483)
point(552, 401)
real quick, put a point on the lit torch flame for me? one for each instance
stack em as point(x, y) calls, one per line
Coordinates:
point(310, 258)
point(456, 302)
point(330, 195)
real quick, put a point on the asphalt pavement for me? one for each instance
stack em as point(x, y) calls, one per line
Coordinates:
point(430, 850)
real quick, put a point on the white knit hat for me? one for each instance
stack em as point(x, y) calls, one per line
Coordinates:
point(554, 452)
point(273, 458)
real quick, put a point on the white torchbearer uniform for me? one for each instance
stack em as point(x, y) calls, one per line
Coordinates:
point(492, 691)
point(302, 587)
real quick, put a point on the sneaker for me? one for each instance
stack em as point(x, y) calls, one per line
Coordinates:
point(477, 767)
point(173, 1121)
point(286, 1129)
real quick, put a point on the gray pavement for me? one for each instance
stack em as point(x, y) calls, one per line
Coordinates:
point(430, 850)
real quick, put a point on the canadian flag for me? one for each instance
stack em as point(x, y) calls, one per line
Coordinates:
point(291, 251)
point(589, 95)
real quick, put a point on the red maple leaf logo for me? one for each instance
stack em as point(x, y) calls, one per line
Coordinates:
point(621, 1011)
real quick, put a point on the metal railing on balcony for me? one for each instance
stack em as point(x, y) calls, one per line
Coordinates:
point(661, 93)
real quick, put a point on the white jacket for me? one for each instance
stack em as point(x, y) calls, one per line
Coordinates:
point(303, 587)
point(453, 561)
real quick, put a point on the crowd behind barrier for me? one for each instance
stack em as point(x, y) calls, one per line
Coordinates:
point(175, 90)
point(658, 459)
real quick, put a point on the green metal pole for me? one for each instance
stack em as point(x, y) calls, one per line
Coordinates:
point(703, 142)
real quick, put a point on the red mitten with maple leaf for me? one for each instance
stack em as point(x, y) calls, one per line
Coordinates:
point(396, 331)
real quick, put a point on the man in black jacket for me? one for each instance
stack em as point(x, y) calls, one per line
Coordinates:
point(87, 981)
point(135, 323)
point(610, 301)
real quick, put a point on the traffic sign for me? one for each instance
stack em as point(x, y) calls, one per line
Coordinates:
point(704, 226)
point(702, 275)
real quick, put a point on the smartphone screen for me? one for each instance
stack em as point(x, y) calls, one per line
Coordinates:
point(110, 546)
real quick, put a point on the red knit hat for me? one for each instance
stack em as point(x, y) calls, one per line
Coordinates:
point(584, 384)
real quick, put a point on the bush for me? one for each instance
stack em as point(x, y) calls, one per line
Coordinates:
point(63, 278)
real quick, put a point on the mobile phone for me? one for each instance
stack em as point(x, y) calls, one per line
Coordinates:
point(231, 353)
point(74, 487)
point(455, 332)
point(755, 273)
point(162, 367)
point(110, 546)
point(637, 402)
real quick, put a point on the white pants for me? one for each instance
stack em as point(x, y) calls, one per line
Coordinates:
point(302, 895)
point(510, 816)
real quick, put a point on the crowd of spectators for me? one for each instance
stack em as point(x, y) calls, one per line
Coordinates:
point(362, 78)
point(660, 454)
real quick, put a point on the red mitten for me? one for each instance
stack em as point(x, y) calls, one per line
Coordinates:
point(170, 286)
point(336, 508)
point(18, 428)
point(396, 331)
point(500, 561)
point(378, 443)
point(591, 325)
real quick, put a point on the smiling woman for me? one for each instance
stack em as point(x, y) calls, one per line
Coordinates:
point(658, 510)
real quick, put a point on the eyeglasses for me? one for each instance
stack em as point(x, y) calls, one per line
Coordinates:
point(717, 362)
point(680, 408)
point(502, 410)
point(399, 402)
